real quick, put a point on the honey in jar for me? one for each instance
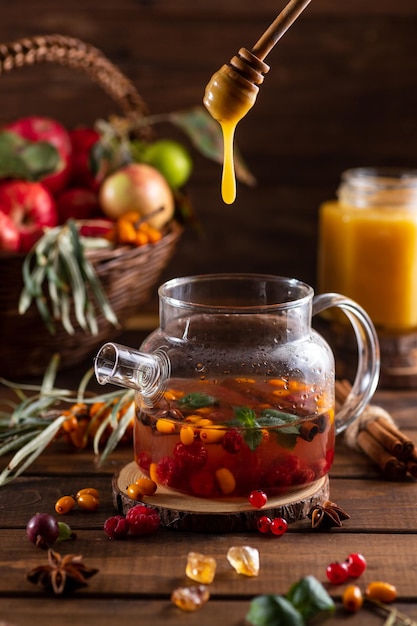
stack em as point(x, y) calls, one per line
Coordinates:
point(368, 245)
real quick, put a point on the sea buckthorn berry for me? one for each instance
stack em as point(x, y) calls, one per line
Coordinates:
point(90, 490)
point(352, 598)
point(279, 526)
point(165, 426)
point(337, 573)
point(147, 486)
point(381, 591)
point(264, 524)
point(187, 435)
point(258, 498)
point(134, 492)
point(64, 505)
point(88, 502)
point(225, 480)
point(212, 435)
point(356, 564)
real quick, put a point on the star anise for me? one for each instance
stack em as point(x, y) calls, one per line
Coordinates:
point(327, 515)
point(63, 573)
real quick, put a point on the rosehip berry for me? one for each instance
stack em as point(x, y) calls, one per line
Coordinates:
point(279, 526)
point(143, 520)
point(337, 573)
point(356, 564)
point(258, 498)
point(264, 524)
point(116, 527)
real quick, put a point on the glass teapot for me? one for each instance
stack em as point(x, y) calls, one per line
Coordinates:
point(235, 389)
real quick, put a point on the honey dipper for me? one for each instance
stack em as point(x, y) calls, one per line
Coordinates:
point(233, 89)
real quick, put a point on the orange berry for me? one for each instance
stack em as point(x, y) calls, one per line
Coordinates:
point(134, 491)
point(90, 490)
point(352, 598)
point(381, 591)
point(88, 502)
point(64, 505)
point(147, 486)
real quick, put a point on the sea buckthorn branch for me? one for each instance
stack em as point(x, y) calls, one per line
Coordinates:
point(41, 414)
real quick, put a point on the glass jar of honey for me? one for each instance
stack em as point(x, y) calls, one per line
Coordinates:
point(368, 245)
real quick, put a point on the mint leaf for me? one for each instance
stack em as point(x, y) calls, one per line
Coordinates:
point(310, 598)
point(196, 401)
point(271, 610)
point(246, 416)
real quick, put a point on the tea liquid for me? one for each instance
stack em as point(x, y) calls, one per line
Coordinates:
point(225, 438)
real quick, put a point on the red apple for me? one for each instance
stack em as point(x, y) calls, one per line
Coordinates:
point(30, 207)
point(35, 128)
point(9, 235)
point(77, 203)
point(82, 141)
point(138, 187)
point(97, 228)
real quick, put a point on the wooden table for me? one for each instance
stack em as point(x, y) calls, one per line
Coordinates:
point(136, 576)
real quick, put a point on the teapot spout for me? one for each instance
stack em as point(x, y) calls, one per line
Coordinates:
point(125, 367)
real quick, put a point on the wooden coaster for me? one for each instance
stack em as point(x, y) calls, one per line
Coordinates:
point(184, 512)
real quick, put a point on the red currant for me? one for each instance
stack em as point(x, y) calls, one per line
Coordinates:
point(264, 524)
point(258, 498)
point(356, 564)
point(279, 526)
point(337, 573)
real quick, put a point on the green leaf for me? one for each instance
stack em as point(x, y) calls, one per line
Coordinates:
point(206, 135)
point(28, 160)
point(272, 610)
point(246, 416)
point(310, 598)
point(196, 401)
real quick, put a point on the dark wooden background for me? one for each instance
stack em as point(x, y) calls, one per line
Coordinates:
point(342, 92)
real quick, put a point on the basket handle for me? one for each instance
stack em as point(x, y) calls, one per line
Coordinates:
point(76, 54)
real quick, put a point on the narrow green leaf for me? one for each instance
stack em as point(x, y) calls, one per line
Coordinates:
point(196, 401)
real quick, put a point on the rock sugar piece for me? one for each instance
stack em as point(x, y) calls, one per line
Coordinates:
point(190, 598)
point(200, 568)
point(244, 559)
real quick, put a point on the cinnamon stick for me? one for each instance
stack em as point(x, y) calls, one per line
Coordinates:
point(408, 444)
point(389, 439)
point(392, 467)
point(412, 464)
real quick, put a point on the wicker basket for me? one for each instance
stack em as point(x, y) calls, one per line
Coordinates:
point(127, 274)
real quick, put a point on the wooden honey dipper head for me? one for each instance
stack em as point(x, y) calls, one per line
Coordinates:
point(233, 89)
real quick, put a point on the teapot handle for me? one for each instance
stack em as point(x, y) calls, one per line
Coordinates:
point(367, 374)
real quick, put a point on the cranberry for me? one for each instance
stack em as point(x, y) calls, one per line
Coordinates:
point(356, 564)
point(337, 573)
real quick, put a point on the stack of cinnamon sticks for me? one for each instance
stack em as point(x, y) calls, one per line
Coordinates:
point(379, 438)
